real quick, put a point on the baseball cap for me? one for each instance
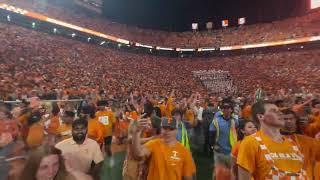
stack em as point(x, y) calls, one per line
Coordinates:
point(169, 123)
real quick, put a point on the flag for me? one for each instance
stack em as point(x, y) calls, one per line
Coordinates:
point(241, 21)
point(225, 23)
point(194, 26)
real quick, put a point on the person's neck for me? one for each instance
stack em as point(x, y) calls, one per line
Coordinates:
point(226, 117)
point(170, 142)
point(80, 142)
point(273, 133)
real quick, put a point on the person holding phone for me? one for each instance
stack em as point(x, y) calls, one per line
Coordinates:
point(168, 158)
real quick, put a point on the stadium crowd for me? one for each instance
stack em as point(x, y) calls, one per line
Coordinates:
point(156, 108)
point(304, 26)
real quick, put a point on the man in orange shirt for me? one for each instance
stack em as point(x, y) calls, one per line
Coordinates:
point(267, 154)
point(168, 159)
point(310, 147)
point(106, 117)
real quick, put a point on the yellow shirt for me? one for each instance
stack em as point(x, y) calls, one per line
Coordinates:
point(169, 162)
point(253, 160)
point(107, 118)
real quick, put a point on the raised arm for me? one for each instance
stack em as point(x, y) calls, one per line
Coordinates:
point(139, 150)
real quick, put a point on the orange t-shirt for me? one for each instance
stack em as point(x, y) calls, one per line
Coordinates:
point(190, 117)
point(235, 149)
point(169, 162)
point(251, 158)
point(54, 124)
point(247, 112)
point(169, 108)
point(23, 119)
point(106, 118)
point(316, 171)
point(65, 131)
point(313, 127)
point(134, 115)
point(310, 148)
point(121, 128)
point(96, 130)
point(35, 135)
point(163, 110)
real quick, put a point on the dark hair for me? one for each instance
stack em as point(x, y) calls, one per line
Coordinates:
point(88, 110)
point(278, 102)
point(158, 111)
point(289, 111)
point(69, 114)
point(80, 121)
point(34, 118)
point(210, 104)
point(314, 102)
point(227, 101)
point(148, 108)
point(102, 103)
point(258, 108)
point(242, 125)
point(298, 99)
point(55, 109)
point(177, 111)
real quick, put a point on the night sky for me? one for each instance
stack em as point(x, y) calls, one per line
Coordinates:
point(177, 15)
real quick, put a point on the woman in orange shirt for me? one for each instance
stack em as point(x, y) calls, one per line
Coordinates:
point(246, 128)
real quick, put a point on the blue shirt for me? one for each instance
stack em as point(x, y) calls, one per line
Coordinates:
point(223, 141)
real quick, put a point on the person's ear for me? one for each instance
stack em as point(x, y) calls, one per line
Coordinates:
point(242, 131)
point(260, 116)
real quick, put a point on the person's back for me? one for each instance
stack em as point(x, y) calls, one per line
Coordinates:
point(95, 130)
